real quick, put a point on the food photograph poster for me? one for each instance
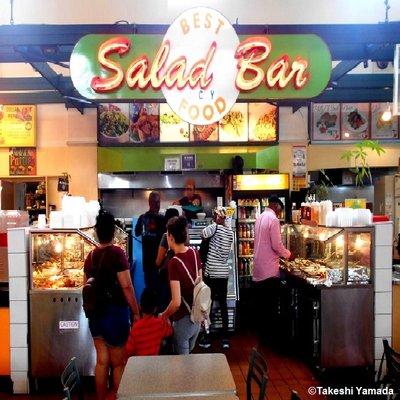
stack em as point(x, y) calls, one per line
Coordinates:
point(326, 122)
point(383, 129)
point(262, 122)
point(172, 128)
point(233, 127)
point(355, 121)
point(131, 124)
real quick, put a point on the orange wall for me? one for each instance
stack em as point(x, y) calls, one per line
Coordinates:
point(4, 341)
point(66, 142)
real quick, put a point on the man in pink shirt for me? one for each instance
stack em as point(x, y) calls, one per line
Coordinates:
point(268, 247)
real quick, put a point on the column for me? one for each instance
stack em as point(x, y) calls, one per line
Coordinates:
point(18, 264)
point(383, 286)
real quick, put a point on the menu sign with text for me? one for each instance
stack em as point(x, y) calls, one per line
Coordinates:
point(17, 126)
point(22, 161)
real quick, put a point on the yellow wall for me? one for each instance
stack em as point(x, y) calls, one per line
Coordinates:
point(66, 142)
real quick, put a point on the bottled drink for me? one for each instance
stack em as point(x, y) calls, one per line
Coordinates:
point(252, 232)
point(240, 248)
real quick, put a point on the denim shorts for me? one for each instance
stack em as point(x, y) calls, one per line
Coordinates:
point(113, 325)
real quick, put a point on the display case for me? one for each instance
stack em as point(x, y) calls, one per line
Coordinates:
point(58, 327)
point(329, 255)
point(57, 256)
point(326, 299)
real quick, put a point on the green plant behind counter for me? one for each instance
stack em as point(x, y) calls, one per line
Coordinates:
point(358, 157)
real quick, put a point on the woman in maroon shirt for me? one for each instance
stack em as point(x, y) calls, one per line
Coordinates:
point(185, 331)
point(110, 322)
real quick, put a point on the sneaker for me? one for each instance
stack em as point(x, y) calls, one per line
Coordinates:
point(204, 342)
point(225, 344)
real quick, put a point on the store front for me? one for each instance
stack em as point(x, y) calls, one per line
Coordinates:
point(154, 114)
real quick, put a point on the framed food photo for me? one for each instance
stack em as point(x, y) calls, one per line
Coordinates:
point(263, 118)
point(383, 129)
point(172, 128)
point(113, 124)
point(233, 127)
point(325, 122)
point(144, 123)
point(355, 121)
point(204, 133)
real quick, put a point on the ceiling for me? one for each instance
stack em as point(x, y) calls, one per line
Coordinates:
point(43, 46)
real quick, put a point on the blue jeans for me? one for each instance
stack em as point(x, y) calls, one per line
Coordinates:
point(185, 335)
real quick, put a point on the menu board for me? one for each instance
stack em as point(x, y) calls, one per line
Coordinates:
point(132, 124)
point(113, 124)
point(382, 129)
point(204, 133)
point(233, 127)
point(144, 123)
point(326, 122)
point(262, 122)
point(355, 121)
point(17, 125)
point(22, 161)
point(172, 128)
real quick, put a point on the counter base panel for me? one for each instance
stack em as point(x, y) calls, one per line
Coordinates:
point(59, 331)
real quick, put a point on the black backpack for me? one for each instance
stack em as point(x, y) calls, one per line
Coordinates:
point(95, 294)
point(205, 247)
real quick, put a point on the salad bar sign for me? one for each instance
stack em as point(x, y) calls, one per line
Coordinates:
point(200, 82)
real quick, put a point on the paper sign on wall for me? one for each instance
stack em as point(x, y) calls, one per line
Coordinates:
point(22, 161)
point(172, 164)
point(188, 161)
point(17, 125)
point(299, 161)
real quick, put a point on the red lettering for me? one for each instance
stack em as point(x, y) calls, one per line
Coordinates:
point(250, 53)
point(118, 45)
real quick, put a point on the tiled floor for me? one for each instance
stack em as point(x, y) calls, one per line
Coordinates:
point(285, 373)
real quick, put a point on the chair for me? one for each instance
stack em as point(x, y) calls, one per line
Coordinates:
point(258, 372)
point(71, 380)
point(392, 377)
point(295, 396)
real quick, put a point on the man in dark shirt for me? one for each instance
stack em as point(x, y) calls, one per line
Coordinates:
point(151, 226)
point(191, 199)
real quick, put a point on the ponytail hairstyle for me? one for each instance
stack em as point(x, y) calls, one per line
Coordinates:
point(176, 227)
point(105, 226)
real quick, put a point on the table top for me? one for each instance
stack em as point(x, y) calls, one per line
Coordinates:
point(179, 397)
point(194, 375)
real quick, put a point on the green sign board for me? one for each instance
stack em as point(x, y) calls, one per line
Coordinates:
point(90, 59)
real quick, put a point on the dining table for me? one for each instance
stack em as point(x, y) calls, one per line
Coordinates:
point(203, 376)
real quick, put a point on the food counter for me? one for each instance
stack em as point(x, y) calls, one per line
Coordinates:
point(58, 327)
point(326, 303)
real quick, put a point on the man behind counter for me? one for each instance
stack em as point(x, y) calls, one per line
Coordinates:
point(268, 247)
point(151, 226)
point(191, 201)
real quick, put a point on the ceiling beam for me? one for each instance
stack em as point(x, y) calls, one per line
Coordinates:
point(54, 80)
point(28, 83)
point(344, 41)
point(342, 69)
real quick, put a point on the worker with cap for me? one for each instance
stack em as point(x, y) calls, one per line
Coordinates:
point(191, 201)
